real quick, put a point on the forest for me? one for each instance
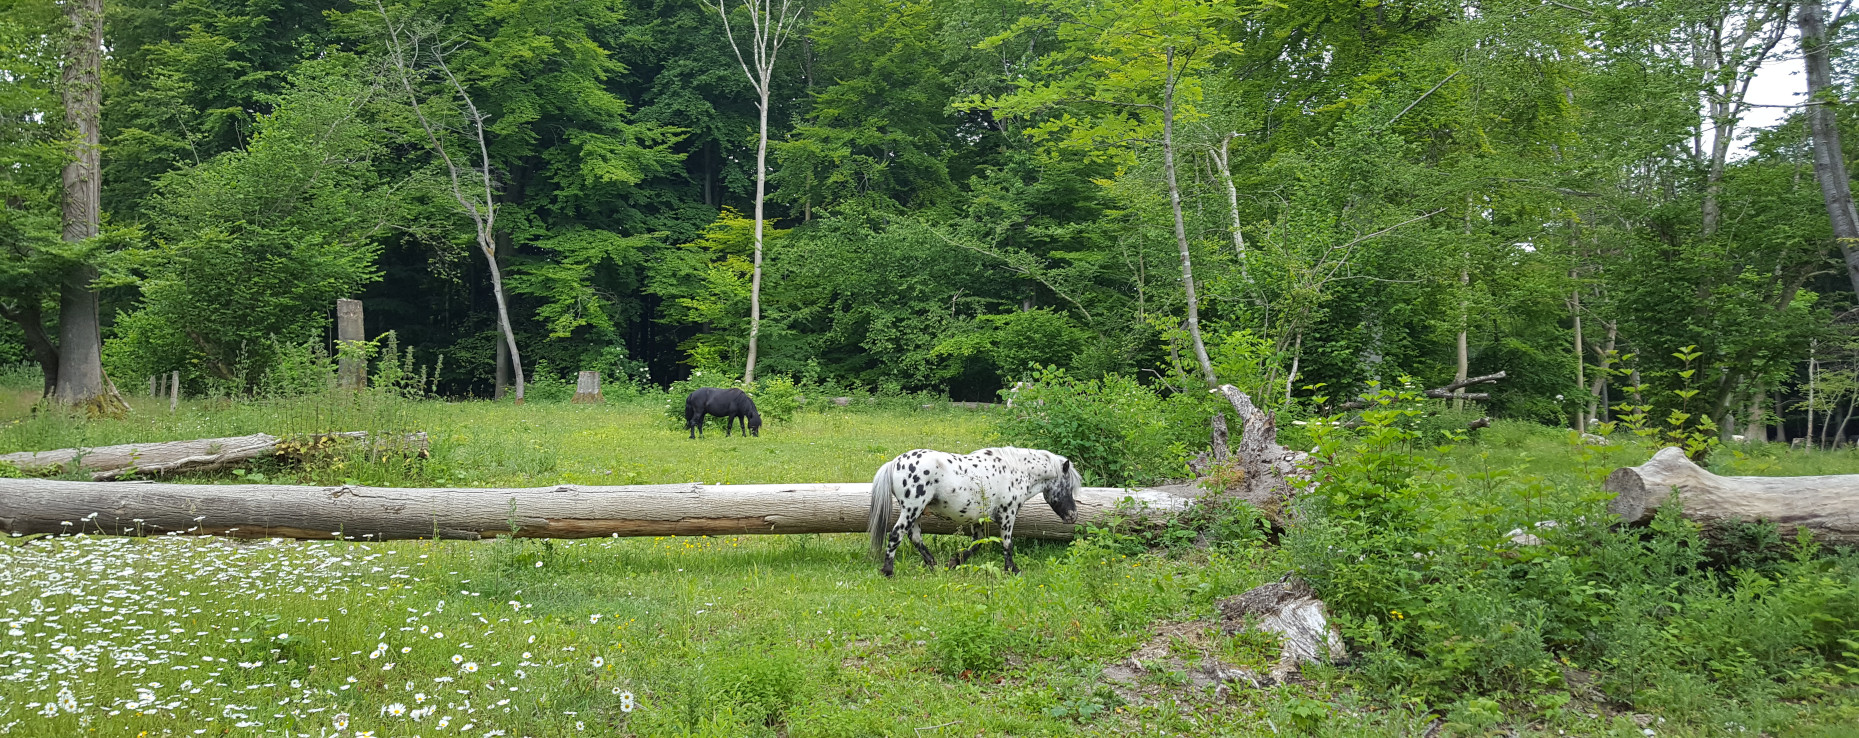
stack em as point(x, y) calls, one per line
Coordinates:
point(1306, 197)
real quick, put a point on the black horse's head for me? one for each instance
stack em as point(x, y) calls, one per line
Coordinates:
point(755, 423)
point(1060, 491)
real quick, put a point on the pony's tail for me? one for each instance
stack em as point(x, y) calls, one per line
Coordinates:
point(880, 523)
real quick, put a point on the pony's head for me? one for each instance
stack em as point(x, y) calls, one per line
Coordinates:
point(1060, 491)
point(755, 423)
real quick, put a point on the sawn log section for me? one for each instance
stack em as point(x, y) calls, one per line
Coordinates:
point(29, 506)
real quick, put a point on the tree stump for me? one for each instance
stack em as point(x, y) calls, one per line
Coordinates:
point(351, 367)
point(587, 388)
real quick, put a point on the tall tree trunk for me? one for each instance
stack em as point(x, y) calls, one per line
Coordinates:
point(503, 312)
point(1829, 161)
point(755, 280)
point(1754, 431)
point(1465, 312)
point(1222, 161)
point(31, 320)
point(1606, 352)
point(501, 378)
point(1181, 229)
point(1581, 356)
point(1813, 367)
point(80, 340)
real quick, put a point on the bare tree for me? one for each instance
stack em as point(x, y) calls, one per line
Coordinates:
point(769, 26)
point(409, 47)
point(1829, 161)
point(1174, 202)
point(80, 381)
point(1727, 47)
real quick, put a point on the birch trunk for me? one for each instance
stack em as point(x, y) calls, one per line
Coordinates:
point(29, 506)
point(1181, 229)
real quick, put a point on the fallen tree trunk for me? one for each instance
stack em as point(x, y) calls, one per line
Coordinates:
point(30, 506)
point(173, 457)
point(1826, 506)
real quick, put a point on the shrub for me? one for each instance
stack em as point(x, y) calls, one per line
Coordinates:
point(969, 640)
point(1116, 430)
point(761, 685)
point(1444, 607)
point(776, 398)
point(545, 384)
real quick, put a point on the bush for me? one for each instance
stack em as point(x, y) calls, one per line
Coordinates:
point(1443, 606)
point(1116, 430)
point(776, 398)
point(969, 640)
point(761, 685)
point(545, 384)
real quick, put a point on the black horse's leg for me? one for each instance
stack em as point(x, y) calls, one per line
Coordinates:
point(1007, 539)
point(729, 422)
point(916, 538)
point(690, 425)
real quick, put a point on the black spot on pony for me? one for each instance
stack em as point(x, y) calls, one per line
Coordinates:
point(729, 404)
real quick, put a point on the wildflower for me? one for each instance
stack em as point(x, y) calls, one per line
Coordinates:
point(444, 721)
point(406, 649)
point(578, 725)
point(424, 629)
point(364, 734)
point(419, 697)
point(626, 702)
point(599, 662)
point(396, 709)
point(593, 619)
point(457, 659)
point(342, 721)
point(532, 639)
point(389, 666)
point(470, 667)
point(527, 655)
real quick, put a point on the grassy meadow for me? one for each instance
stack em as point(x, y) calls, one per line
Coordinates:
point(707, 636)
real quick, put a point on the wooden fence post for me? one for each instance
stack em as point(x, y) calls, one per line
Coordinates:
point(154, 386)
point(352, 367)
point(587, 388)
point(174, 392)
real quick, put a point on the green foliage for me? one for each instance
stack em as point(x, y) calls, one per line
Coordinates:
point(1114, 429)
point(256, 244)
point(1446, 602)
point(761, 684)
point(969, 641)
point(776, 398)
point(548, 384)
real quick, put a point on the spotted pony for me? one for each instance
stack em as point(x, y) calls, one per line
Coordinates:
point(990, 483)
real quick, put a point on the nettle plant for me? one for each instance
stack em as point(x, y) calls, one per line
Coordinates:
point(1695, 432)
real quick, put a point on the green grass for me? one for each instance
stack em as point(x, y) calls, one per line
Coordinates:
point(489, 445)
point(724, 636)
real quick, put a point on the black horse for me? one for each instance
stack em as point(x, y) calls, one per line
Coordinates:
point(729, 404)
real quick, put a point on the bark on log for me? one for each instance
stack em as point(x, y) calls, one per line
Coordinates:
point(172, 457)
point(29, 506)
point(1290, 608)
point(1268, 467)
point(1827, 506)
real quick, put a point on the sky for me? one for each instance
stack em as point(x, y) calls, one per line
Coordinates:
point(1780, 81)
